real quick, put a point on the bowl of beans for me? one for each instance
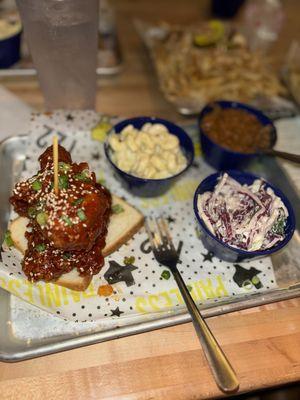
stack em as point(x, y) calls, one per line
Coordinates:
point(148, 154)
point(232, 134)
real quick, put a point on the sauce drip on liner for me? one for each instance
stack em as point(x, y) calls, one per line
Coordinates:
point(67, 230)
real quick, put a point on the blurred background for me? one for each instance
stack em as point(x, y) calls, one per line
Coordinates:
point(124, 51)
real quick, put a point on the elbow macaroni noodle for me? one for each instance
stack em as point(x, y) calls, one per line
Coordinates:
point(152, 152)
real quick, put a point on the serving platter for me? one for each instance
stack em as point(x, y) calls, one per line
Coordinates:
point(56, 337)
point(182, 78)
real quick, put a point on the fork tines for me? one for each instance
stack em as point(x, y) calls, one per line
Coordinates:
point(158, 232)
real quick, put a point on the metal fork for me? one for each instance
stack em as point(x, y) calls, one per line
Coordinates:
point(166, 254)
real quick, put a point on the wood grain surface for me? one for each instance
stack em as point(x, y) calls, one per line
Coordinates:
point(262, 343)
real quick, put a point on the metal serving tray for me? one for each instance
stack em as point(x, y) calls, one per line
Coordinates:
point(12, 348)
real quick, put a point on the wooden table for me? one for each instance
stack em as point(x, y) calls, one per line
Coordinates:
point(262, 343)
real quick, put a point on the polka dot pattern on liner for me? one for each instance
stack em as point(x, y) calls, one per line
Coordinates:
point(141, 289)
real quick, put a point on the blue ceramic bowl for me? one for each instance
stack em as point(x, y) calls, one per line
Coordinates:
point(150, 187)
point(224, 251)
point(220, 157)
point(10, 50)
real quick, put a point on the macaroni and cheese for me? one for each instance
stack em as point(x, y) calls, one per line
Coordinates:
point(151, 152)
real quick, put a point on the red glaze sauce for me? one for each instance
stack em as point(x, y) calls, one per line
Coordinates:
point(67, 230)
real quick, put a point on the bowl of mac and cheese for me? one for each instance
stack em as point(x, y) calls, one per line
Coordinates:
point(148, 154)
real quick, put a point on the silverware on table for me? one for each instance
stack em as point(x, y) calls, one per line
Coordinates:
point(165, 253)
point(282, 154)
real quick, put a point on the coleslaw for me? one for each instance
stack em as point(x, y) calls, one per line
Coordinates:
point(247, 217)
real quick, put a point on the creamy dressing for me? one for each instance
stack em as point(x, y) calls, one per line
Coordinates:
point(248, 217)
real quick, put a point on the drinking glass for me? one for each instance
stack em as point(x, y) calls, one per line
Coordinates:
point(62, 36)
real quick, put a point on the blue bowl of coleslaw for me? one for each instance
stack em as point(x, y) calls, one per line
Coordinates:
point(147, 187)
point(218, 245)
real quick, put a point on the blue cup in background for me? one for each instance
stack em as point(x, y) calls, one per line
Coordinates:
point(10, 50)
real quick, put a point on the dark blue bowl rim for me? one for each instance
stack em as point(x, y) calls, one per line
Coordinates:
point(15, 35)
point(152, 119)
point(257, 253)
point(242, 106)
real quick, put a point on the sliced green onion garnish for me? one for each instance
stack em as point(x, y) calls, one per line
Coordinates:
point(63, 182)
point(129, 260)
point(36, 185)
point(255, 280)
point(117, 209)
point(166, 274)
point(67, 220)
point(42, 218)
point(64, 166)
point(77, 202)
point(81, 214)
point(40, 247)
point(31, 212)
point(279, 226)
point(7, 238)
point(189, 288)
point(247, 284)
point(67, 255)
point(83, 176)
point(86, 172)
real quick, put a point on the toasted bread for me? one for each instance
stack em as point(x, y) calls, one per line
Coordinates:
point(17, 229)
point(122, 226)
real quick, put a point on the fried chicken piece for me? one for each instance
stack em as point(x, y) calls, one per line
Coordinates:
point(44, 262)
point(25, 193)
point(73, 219)
point(46, 158)
point(77, 216)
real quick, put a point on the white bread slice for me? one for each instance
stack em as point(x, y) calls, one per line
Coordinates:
point(121, 228)
point(17, 232)
point(72, 280)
